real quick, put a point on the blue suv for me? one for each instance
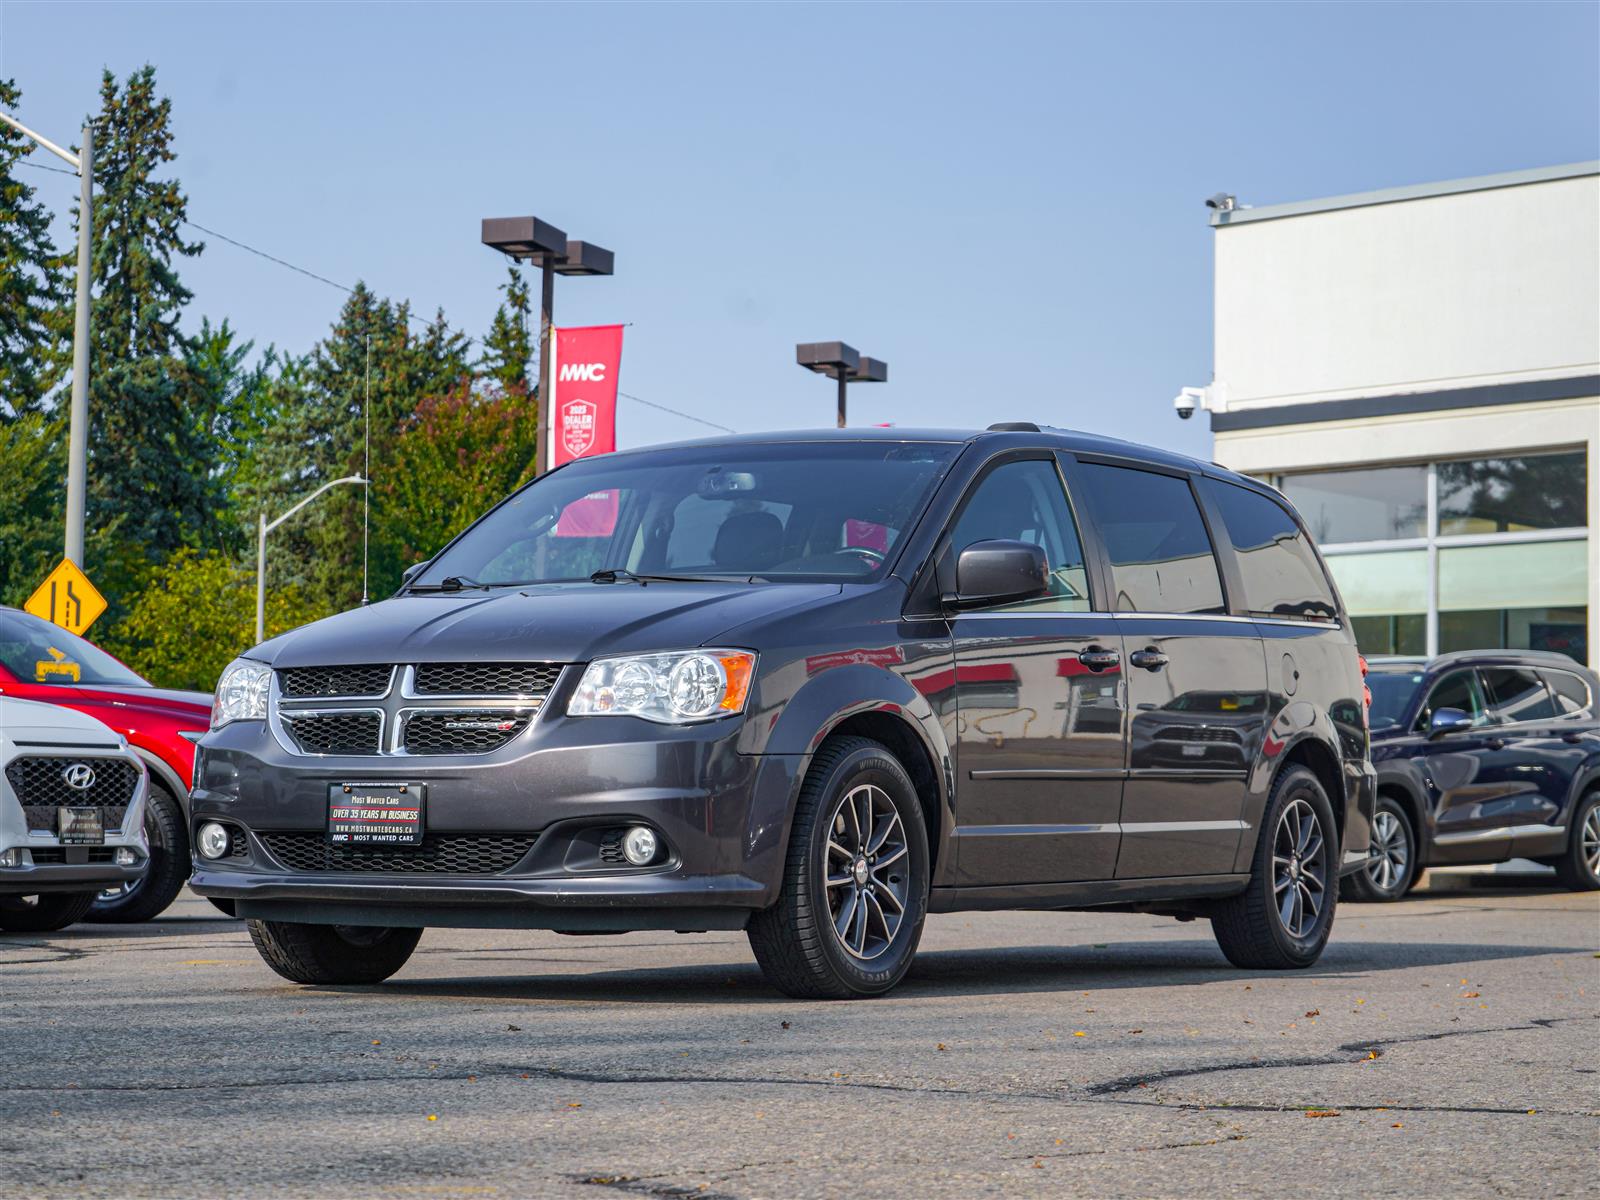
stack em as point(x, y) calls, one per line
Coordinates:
point(1482, 756)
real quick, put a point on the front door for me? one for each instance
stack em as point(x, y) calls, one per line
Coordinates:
point(1196, 678)
point(1037, 692)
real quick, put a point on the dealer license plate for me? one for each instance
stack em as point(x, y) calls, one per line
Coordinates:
point(375, 814)
point(80, 826)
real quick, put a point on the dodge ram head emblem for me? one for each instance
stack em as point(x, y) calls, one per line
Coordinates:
point(80, 776)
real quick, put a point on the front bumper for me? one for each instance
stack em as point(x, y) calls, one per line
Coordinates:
point(721, 816)
point(52, 866)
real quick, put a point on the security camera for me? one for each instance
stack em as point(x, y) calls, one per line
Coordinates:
point(1222, 202)
point(1187, 401)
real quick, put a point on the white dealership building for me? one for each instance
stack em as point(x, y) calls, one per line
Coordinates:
point(1419, 370)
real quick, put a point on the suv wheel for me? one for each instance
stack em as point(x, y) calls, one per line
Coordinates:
point(855, 881)
point(1579, 867)
point(1394, 866)
point(150, 895)
point(1282, 919)
point(333, 953)
point(43, 913)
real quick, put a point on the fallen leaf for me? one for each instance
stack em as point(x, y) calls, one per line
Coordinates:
point(1135, 1031)
point(941, 1046)
point(785, 1024)
point(433, 1116)
point(1080, 1033)
point(1322, 1112)
point(1397, 1125)
point(573, 1104)
point(377, 1041)
point(1315, 1012)
point(1470, 995)
point(513, 1028)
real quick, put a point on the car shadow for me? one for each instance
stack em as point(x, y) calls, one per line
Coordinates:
point(948, 973)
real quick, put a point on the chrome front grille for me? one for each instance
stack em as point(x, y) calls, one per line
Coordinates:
point(439, 853)
point(386, 709)
point(461, 730)
point(359, 731)
point(361, 681)
point(485, 679)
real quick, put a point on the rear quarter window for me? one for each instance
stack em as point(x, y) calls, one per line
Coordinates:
point(1282, 577)
point(1571, 692)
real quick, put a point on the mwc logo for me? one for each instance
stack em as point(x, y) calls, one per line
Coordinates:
point(581, 373)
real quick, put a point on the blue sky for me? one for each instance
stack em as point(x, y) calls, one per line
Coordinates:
point(1005, 202)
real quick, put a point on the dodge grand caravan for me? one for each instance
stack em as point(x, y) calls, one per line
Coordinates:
point(812, 686)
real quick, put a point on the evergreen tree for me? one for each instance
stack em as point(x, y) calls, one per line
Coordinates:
point(33, 279)
point(509, 347)
point(150, 461)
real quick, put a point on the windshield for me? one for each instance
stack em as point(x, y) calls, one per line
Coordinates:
point(36, 651)
point(1391, 694)
point(789, 511)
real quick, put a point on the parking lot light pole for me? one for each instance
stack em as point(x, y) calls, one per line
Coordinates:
point(530, 240)
point(265, 527)
point(78, 421)
point(843, 363)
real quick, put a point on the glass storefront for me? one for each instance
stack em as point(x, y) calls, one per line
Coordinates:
point(1505, 562)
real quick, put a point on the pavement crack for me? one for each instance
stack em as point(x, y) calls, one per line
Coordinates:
point(1216, 1141)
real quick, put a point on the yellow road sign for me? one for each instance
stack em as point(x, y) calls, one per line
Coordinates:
point(68, 598)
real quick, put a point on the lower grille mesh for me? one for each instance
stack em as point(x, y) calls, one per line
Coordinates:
point(439, 854)
point(43, 816)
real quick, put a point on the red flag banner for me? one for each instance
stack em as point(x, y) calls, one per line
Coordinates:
point(582, 415)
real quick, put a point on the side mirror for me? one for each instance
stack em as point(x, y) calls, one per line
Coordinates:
point(410, 572)
point(998, 571)
point(1447, 720)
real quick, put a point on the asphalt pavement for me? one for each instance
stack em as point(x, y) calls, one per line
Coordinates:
point(1444, 1046)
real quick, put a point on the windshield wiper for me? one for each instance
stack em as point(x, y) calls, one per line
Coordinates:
point(623, 575)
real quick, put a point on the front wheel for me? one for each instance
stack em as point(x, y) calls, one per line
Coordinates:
point(44, 913)
point(1282, 919)
point(1579, 867)
point(1393, 848)
point(333, 953)
point(855, 882)
point(154, 891)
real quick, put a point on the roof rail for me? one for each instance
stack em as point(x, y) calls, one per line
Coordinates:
point(1013, 427)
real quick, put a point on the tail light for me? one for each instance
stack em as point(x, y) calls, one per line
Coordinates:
point(1366, 692)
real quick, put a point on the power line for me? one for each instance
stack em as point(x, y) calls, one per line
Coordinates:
point(350, 291)
point(42, 167)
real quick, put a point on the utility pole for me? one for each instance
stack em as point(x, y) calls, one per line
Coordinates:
point(543, 407)
point(78, 426)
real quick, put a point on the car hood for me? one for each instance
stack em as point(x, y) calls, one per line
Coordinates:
point(183, 707)
point(551, 622)
point(24, 720)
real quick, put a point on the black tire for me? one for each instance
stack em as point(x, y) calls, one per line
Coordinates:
point(1251, 928)
point(333, 953)
point(795, 941)
point(1394, 840)
point(152, 894)
point(1579, 868)
point(43, 913)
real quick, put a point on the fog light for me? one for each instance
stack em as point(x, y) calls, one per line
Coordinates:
point(125, 857)
point(639, 845)
point(11, 858)
point(213, 840)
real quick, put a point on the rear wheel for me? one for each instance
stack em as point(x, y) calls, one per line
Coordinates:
point(855, 884)
point(1282, 919)
point(43, 913)
point(1393, 869)
point(152, 893)
point(1579, 867)
point(333, 953)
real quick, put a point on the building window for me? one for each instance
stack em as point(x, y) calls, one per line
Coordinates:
point(1503, 563)
point(1512, 495)
point(1361, 506)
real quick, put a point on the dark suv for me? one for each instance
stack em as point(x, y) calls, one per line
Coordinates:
point(1483, 756)
point(814, 686)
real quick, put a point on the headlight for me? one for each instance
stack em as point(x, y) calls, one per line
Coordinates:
point(241, 693)
point(689, 685)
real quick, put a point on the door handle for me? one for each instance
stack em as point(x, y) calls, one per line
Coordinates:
point(1495, 743)
point(1097, 658)
point(1150, 659)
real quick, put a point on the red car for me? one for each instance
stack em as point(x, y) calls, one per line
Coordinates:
point(41, 661)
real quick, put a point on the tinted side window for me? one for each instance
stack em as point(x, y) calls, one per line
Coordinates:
point(1456, 690)
point(1516, 694)
point(1571, 693)
point(1161, 557)
point(1282, 577)
point(1023, 502)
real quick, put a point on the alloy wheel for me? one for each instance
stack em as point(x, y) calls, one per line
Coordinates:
point(866, 871)
point(153, 835)
point(1393, 850)
point(1299, 874)
point(1591, 841)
